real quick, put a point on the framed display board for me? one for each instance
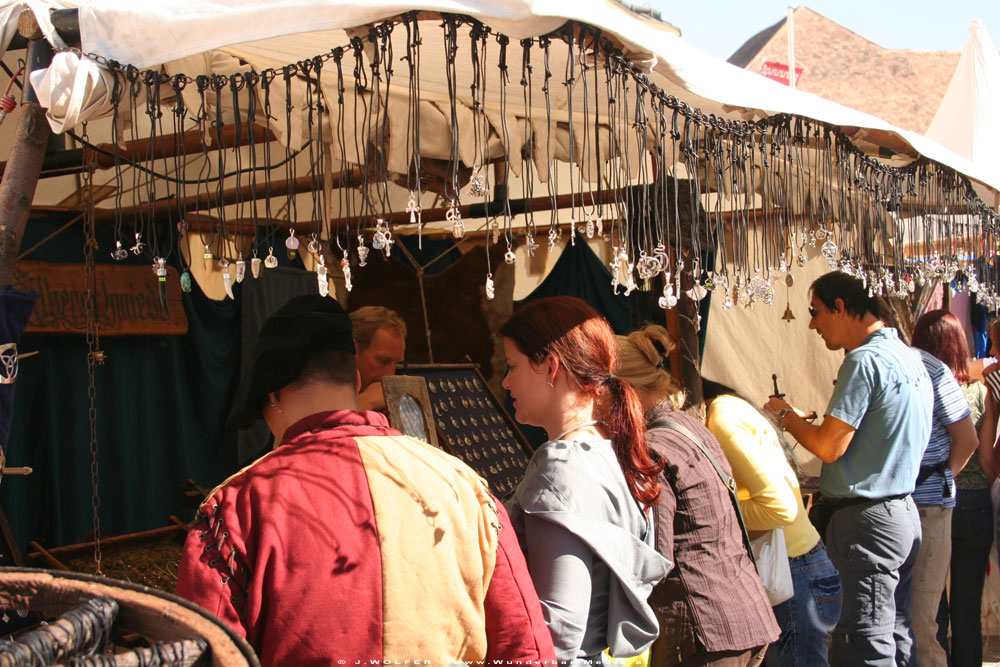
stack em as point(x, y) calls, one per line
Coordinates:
point(409, 406)
point(471, 423)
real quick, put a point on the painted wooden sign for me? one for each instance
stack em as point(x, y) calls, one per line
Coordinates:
point(128, 299)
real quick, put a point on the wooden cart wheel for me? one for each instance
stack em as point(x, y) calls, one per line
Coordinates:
point(154, 614)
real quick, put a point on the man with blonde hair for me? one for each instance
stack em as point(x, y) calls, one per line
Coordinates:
point(380, 338)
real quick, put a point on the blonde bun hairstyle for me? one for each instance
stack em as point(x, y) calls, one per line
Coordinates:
point(643, 363)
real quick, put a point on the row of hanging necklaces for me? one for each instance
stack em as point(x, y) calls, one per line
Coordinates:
point(659, 180)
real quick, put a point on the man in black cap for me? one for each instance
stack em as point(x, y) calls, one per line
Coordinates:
point(350, 540)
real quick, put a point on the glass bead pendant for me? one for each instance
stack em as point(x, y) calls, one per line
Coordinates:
point(291, 244)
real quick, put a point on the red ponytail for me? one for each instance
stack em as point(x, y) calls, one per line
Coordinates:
point(584, 343)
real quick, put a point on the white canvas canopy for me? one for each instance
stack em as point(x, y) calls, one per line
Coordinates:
point(966, 121)
point(150, 34)
point(203, 38)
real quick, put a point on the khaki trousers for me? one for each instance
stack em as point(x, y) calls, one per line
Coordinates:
point(929, 576)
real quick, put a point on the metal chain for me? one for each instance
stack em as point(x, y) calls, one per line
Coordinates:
point(95, 355)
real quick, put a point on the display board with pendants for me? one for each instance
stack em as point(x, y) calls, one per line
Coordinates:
point(470, 422)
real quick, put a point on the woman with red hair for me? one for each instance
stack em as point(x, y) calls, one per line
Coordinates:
point(940, 333)
point(582, 510)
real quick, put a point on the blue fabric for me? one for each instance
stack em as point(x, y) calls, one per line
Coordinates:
point(161, 406)
point(874, 547)
point(807, 619)
point(950, 406)
point(15, 309)
point(435, 255)
point(884, 392)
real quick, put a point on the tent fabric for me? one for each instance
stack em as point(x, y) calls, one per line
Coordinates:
point(168, 30)
point(750, 343)
point(174, 29)
point(579, 272)
point(966, 119)
point(10, 10)
point(72, 90)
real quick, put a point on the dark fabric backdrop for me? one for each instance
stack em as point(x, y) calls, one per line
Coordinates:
point(579, 272)
point(161, 404)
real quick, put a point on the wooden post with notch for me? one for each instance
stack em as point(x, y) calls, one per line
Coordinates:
point(17, 189)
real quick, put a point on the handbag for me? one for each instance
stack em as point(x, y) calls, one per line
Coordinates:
point(771, 557)
point(767, 551)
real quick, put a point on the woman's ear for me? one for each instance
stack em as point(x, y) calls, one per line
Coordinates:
point(551, 368)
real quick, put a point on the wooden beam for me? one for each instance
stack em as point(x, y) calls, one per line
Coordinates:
point(59, 163)
point(483, 210)
point(17, 188)
point(209, 200)
point(171, 145)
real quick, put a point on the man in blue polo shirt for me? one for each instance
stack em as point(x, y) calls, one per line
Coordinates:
point(870, 441)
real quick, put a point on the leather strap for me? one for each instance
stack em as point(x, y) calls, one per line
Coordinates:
point(726, 478)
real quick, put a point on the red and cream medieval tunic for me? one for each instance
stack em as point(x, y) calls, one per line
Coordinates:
point(353, 542)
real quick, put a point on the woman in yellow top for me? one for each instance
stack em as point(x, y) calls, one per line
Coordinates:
point(769, 497)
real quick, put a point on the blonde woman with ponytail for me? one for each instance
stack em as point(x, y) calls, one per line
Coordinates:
point(712, 607)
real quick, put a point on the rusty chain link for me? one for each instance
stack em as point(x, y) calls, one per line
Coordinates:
point(95, 355)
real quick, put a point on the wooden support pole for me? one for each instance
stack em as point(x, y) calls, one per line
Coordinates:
point(17, 188)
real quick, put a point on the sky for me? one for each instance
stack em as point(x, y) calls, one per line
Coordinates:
point(719, 27)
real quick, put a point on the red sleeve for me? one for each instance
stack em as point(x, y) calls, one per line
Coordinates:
point(201, 579)
point(515, 628)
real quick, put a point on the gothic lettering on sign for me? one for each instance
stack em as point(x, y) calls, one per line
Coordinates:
point(128, 300)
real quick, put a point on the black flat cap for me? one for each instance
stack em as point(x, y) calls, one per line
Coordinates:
point(295, 332)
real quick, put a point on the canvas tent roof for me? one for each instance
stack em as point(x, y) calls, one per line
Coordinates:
point(149, 34)
point(965, 121)
point(196, 37)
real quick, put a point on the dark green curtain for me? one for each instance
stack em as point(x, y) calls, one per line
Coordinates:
point(161, 404)
point(441, 253)
point(579, 272)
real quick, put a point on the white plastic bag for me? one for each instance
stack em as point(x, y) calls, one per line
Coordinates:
point(772, 565)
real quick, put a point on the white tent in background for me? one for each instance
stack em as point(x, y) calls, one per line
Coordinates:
point(966, 120)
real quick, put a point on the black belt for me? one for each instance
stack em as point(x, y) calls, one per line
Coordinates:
point(841, 503)
point(938, 468)
point(816, 549)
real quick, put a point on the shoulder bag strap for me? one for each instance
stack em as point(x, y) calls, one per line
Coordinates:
point(727, 479)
